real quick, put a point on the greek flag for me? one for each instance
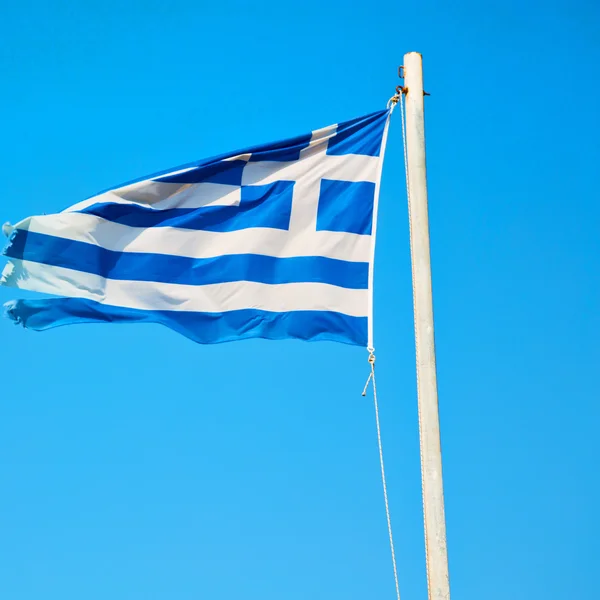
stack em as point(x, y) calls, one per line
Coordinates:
point(276, 242)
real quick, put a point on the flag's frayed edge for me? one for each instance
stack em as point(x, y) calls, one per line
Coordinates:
point(9, 271)
point(10, 233)
point(8, 275)
point(9, 312)
point(7, 229)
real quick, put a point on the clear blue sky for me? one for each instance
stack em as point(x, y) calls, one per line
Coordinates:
point(136, 465)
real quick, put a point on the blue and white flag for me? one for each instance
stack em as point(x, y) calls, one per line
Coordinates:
point(276, 241)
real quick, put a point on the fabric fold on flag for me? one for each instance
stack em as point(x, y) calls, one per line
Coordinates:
point(275, 241)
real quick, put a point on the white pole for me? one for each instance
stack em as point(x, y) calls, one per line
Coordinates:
point(429, 427)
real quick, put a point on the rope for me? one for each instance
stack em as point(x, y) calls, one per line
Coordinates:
point(402, 114)
point(383, 480)
point(405, 159)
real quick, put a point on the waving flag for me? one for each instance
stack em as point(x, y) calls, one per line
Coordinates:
point(276, 241)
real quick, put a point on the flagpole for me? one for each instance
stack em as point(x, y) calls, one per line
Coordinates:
point(429, 428)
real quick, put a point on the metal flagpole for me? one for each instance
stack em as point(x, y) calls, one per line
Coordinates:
point(429, 427)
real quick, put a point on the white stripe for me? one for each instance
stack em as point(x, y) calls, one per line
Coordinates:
point(200, 244)
point(167, 296)
point(161, 195)
point(314, 163)
point(352, 167)
point(322, 136)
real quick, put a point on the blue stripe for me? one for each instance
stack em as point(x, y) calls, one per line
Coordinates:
point(261, 206)
point(286, 150)
point(138, 266)
point(227, 171)
point(204, 328)
point(359, 136)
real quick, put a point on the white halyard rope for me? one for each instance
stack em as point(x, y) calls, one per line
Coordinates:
point(381, 462)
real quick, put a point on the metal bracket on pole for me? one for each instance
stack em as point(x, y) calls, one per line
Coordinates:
point(404, 90)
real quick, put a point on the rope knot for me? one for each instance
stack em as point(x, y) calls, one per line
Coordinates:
point(371, 360)
point(371, 352)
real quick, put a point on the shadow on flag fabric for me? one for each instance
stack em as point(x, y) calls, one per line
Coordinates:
point(276, 242)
